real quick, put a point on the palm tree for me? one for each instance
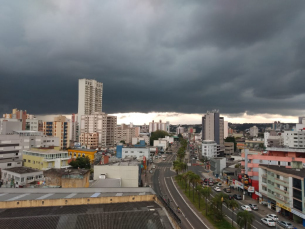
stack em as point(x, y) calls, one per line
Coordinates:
point(232, 204)
point(179, 177)
point(177, 166)
point(185, 177)
point(244, 219)
point(190, 178)
point(206, 193)
point(199, 192)
point(195, 180)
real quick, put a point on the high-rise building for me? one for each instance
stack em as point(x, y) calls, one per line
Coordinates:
point(90, 95)
point(74, 128)
point(60, 128)
point(102, 124)
point(213, 129)
point(125, 133)
point(253, 131)
point(154, 126)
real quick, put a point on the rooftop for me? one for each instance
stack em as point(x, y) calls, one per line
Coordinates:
point(290, 171)
point(285, 149)
point(45, 151)
point(84, 150)
point(22, 170)
point(66, 171)
point(104, 216)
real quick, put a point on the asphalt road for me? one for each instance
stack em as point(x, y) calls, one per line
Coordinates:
point(163, 185)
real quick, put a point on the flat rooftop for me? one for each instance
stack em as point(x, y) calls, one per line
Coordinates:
point(290, 171)
point(104, 216)
point(22, 170)
point(84, 150)
point(19, 194)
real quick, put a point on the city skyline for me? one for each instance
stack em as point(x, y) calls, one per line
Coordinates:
point(199, 58)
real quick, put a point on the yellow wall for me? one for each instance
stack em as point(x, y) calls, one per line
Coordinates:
point(38, 161)
point(89, 154)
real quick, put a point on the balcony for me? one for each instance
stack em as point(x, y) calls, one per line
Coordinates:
point(281, 182)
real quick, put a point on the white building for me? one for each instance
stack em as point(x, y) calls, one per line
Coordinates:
point(180, 130)
point(253, 131)
point(154, 126)
point(101, 123)
point(169, 139)
point(90, 95)
point(161, 143)
point(21, 175)
point(209, 148)
point(9, 125)
point(294, 139)
point(127, 174)
point(136, 152)
point(145, 138)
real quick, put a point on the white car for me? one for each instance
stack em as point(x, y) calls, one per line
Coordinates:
point(268, 221)
point(273, 217)
point(153, 167)
point(217, 189)
point(246, 208)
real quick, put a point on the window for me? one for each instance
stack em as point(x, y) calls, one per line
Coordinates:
point(278, 176)
point(29, 161)
point(24, 160)
point(289, 163)
point(9, 164)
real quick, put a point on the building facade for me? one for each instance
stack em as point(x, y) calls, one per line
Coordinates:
point(75, 153)
point(254, 131)
point(209, 148)
point(125, 133)
point(90, 97)
point(229, 148)
point(89, 140)
point(44, 159)
point(154, 126)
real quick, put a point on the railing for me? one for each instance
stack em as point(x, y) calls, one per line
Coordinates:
point(171, 211)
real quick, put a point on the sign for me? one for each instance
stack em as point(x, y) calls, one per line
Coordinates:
point(250, 189)
point(258, 194)
point(300, 214)
point(283, 206)
point(239, 184)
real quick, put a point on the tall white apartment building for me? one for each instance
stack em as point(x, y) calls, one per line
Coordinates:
point(90, 95)
point(154, 126)
point(209, 148)
point(254, 131)
point(101, 123)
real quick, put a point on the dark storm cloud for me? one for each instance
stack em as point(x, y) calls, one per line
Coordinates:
point(175, 56)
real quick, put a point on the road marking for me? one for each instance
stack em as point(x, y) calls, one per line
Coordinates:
point(189, 205)
point(18, 197)
point(45, 196)
point(96, 194)
point(3, 194)
point(70, 195)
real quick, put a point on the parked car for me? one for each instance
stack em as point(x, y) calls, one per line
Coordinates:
point(285, 224)
point(217, 189)
point(153, 167)
point(227, 190)
point(246, 208)
point(273, 217)
point(253, 207)
point(163, 159)
point(205, 181)
point(268, 221)
point(237, 197)
point(230, 197)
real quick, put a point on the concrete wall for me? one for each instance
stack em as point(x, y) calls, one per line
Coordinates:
point(75, 201)
point(128, 174)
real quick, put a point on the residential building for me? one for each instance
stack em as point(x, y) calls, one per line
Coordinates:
point(17, 114)
point(161, 144)
point(294, 139)
point(136, 140)
point(154, 126)
point(90, 97)
point(213, 129)
point(8, 126)
point(136, 152)
point(217, 165)
point(283, 188)
point(125, 133)
point(277, 125)
point(102, 124)
point(75, 153)
point(209, 148)
point(89, 140)
point(44, 159)
point(180, 130)
point(21, 176)
point(67, 178)
point(60, 128)
point(273, 139)
point(74, 128)
point(254, 131)
point(121, 174)
point(229, 148)
point(225, 129)
point(254, 144)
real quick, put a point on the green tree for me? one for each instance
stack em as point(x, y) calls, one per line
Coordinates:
point(156, 135)
point(245, 219)
point(122, 141)
point(195, 179)
point(232, 139)
point(231, 204)
point(206, 192)
point(199, 193)
point(81, 162)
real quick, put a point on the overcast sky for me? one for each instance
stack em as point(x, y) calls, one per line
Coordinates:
point(154, 55)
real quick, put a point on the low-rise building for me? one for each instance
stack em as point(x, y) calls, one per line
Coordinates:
point(253, 131)
point(67, 178)
point(136, 152)
point(75, 153)
point(283, 188)
point(136, 140)
point(20, 176)
point(209, 148)
point(217, 164)
point(122, 174)
point(161, 143)
point(44, 159)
